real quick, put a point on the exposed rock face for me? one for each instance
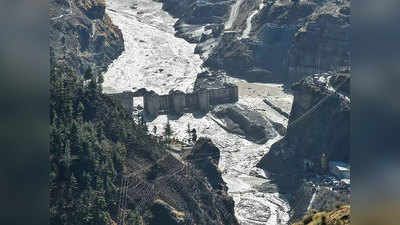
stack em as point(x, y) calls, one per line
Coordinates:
point(240, 120)
point(319, 123)
point(198, 11)
point(323, 43)
point(268, 41)
point(82, 35)
point(233, 56)
point(289, 41)
point(205, 157)
point(308, 197)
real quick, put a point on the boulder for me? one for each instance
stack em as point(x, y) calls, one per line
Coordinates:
point(241, 120)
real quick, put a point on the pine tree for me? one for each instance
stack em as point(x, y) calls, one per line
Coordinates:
point(79, 112)
point(74, 184)
point(67, 155)
point(188, 129)
point(99, 183)
point(100, 79)
point(88, 74)
point(324, 162)
point(144, 125)
point(168, 130)
point(194, 135)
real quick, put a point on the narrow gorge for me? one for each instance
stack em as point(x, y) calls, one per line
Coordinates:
point(155, 59)
point(287, 64)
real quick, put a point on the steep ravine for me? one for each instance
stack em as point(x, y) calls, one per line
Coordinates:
point(155, 59)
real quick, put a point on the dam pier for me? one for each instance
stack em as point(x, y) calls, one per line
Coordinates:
point(177, 102)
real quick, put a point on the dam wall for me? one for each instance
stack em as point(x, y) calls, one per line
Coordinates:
point(178, 102)
point(125, 99)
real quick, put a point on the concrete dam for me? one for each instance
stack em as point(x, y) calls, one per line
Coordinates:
point(178, 102)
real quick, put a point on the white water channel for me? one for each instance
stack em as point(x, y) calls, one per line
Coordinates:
point(233, 14)
point(157, 60)
point(249, 24)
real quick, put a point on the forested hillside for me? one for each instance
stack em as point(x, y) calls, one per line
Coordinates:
point(90, 138)
point(95, 143)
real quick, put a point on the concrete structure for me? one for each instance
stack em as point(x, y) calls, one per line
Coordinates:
point(177, 102)
point(339, 169)
point(125, 99)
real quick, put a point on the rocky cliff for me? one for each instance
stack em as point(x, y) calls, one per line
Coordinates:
point(205, 157)
point(319, 123)
point(323, 42)
point(82, 35)
point(288, 41)
point(269, 41)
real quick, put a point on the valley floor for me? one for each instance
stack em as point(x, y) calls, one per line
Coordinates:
point(157, 60)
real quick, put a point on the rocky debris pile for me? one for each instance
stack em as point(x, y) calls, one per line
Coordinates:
point(83, 35)
point(240, 120)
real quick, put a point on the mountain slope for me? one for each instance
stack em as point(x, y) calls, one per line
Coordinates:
point(267, 41)
point(319, 123)
point(97, 151)
point(82, 35)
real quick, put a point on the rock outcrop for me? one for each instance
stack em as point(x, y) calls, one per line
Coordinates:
point(323, 43)
point(268, 41)
point(287, 41)
point(319, 123)
point(205, 157)
point(83, 35)
point(240, 120)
